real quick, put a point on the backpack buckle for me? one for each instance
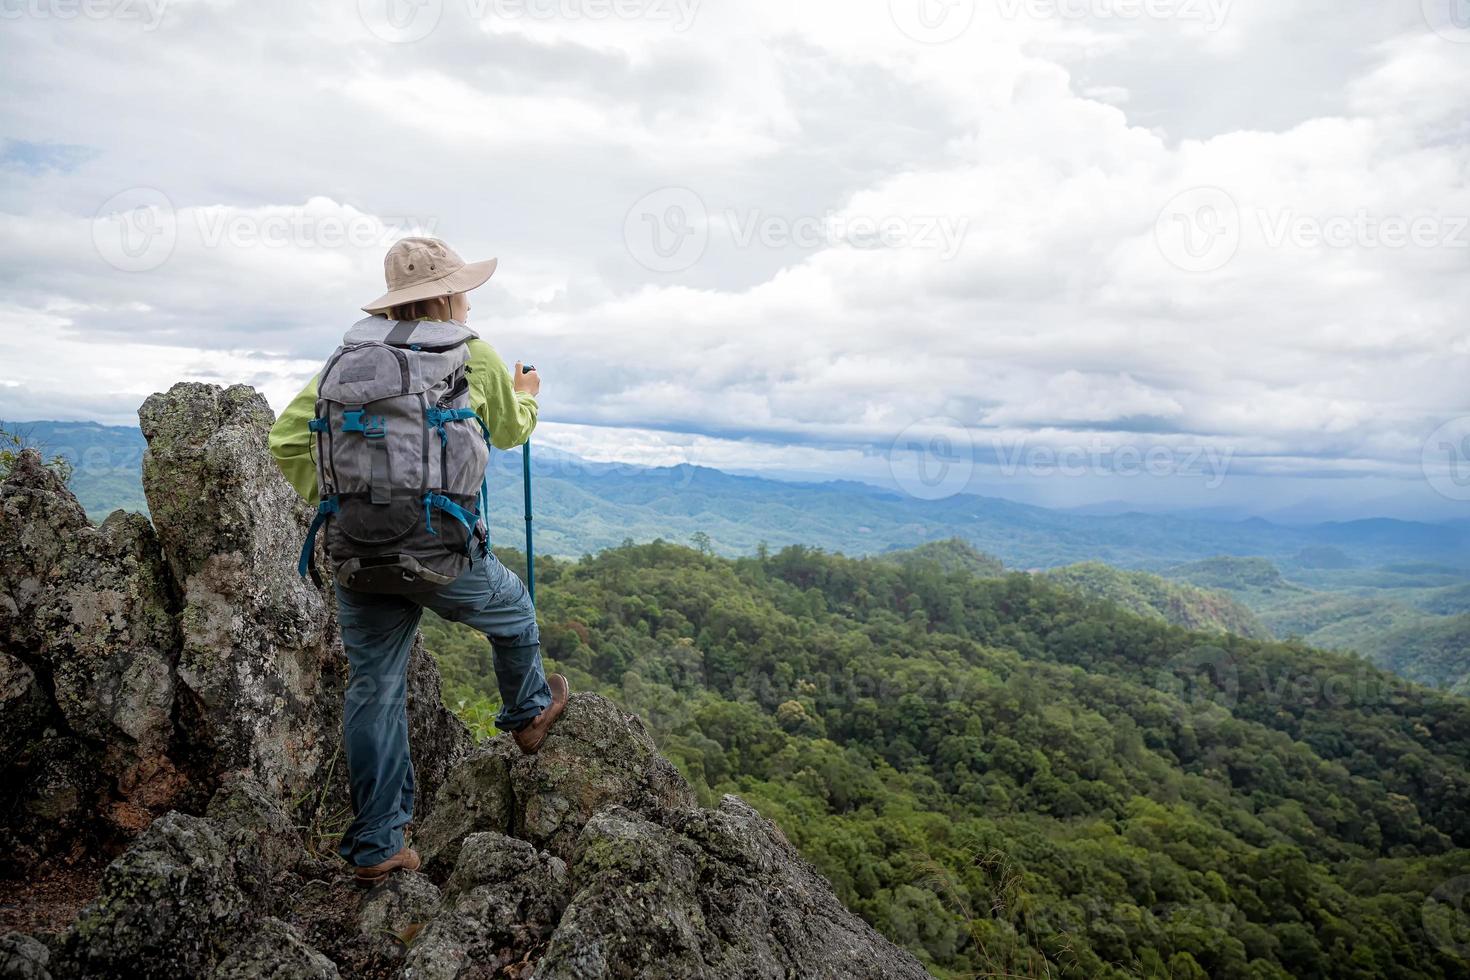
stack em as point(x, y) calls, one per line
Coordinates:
point(372, 427)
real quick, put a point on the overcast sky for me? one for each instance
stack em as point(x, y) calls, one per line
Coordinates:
point(1175, 253)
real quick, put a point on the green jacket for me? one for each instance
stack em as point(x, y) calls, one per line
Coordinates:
point(509, 414)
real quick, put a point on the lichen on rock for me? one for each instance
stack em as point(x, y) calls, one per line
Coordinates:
point(600, 755)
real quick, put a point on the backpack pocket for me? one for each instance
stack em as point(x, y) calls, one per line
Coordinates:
point(367, 527)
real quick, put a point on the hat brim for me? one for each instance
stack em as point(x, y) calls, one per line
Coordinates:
point(468, 276)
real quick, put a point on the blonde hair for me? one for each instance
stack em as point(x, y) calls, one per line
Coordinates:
point(434, 308)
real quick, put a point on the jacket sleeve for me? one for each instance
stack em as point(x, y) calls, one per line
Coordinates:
point(291, 442)
point(509, 414)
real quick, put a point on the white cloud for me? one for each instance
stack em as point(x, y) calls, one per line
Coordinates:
point(1019, 172)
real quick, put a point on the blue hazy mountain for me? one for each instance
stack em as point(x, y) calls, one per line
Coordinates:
point(1397, 591)
point(582, 507)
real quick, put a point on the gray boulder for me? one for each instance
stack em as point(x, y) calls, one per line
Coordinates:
point(24, 706)
point(596, 755)
point(256, 660)
point(259, 832)
point(707, 893)
point(398, 907)
point(169, 906)
point(87, 646)
point(23, 958)
point(274, 951)
point(501, 904)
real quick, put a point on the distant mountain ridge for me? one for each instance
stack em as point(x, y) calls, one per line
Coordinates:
point(584, 506)
point(1361, 585)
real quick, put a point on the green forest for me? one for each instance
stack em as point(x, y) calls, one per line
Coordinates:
point(1011, 778)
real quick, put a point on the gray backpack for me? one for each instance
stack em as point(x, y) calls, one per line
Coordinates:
point(400, 457)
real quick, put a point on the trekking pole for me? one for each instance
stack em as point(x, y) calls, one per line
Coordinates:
point(526, 483)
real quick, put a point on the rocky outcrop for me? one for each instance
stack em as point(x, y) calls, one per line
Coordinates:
point(23, 958)
point(173, 696)
point(259, 663)
point(88, 637)
point(707, 893)
point(140, 664)
point(601, 756)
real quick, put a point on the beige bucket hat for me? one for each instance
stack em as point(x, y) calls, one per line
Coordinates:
point(423, 268)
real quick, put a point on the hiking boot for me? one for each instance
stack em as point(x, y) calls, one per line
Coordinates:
point(406, 859)
point(531, 737)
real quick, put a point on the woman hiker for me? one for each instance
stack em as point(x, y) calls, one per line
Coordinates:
point(428, 286)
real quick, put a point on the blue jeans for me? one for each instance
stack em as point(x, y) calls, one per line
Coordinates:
point(377, 633)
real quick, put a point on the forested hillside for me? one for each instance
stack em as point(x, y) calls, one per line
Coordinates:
point(1010, 779)
point(1411, 619)
point(1149, 595)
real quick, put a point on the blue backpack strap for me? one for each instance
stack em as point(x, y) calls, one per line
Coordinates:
point(436, 417)
point(437, 501)
point(307, 562)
